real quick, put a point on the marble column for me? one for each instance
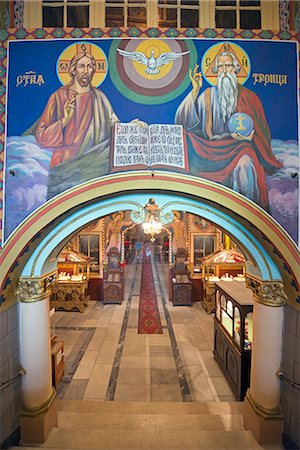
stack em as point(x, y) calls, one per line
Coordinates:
point(262, 413)
point(38, 414)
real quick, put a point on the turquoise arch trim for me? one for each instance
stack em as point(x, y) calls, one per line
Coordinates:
point(38, 263)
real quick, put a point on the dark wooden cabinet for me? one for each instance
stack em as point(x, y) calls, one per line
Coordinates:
point(233, 324)
point(208, 299)
point(113, 279)
point(57, 362)
point(180, 283)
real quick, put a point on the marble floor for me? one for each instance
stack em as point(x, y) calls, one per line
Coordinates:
point(106, 359)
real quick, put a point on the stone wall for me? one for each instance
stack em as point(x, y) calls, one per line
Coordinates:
point(290, 395)
point(10, 394)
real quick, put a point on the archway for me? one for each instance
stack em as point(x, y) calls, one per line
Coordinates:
point(37, 242)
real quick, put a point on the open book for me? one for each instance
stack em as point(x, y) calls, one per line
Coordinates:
point(153, 146)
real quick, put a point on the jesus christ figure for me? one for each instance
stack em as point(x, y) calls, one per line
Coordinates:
point(76, 124)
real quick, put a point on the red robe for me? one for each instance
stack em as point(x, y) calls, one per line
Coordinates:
point(90, 124)
point(216, 159)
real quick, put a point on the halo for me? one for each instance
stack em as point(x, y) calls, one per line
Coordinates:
point(211, 54)
point(63, 62)
point(118, 213)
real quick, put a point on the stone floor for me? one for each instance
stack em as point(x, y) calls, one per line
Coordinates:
point(105, 358)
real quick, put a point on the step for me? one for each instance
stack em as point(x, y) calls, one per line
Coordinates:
point(62, 438)
point(154, 408)
point(253, 446)
point(160, 422)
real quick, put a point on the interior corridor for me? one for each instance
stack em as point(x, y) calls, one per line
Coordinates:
point(106, 358)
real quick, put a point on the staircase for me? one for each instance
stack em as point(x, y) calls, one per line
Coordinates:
point(84, 424)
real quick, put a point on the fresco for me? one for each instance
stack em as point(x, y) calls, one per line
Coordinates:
point(222, 110)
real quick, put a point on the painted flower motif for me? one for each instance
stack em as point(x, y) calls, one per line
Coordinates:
point(265, 34)
point(96, 33)
point(21, 34)
point(2, 90)
point(295, 286)
point(247, 34)
point(3, 35)
point(1, 111)
point(285, 267)
point(15, 265)
point(59, 33)
point(25, 250)
point(172, 33)
point(190, 32)
point(7, 282)
point(40, 33)
point(284, 35)
point(38, 235)
point(153, 32)
point(2, 52)
point(115, 32)
point(77, 33)
point(227, 33)
point(1, 128)
point(134, 32)
point(209, 33)
point(2, 71)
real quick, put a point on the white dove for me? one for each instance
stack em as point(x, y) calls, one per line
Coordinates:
point(152, 63)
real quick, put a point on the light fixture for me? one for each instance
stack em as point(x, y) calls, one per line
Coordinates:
point(152, 218)
point(152, 225)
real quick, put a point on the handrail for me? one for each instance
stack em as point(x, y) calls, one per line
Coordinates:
point(8, 382)
point(292, 383)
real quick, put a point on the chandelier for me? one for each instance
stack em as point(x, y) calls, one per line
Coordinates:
point(152, 218)
point(152, 226)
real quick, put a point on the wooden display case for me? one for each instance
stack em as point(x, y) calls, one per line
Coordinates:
point(113, 275)
point(224, 265)
point(180, 283)
point(68, 294)
point(57, 362)
point(70, 290)
point(233, 324)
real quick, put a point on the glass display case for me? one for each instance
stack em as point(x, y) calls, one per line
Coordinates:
point(89, 245)
point(233, 327)
point(202, 246)
point(69, 290)
point(225, 265)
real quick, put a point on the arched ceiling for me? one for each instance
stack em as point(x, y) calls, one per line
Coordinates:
point(33, 247)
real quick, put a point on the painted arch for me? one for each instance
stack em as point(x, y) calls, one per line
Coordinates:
point(33, 247)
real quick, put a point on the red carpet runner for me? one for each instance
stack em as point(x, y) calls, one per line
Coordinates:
point(149, 320)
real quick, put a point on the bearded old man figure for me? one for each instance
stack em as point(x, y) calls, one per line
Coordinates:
point(237, 161)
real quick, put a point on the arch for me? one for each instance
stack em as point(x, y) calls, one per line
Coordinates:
point(69, 212)
point(38, 265)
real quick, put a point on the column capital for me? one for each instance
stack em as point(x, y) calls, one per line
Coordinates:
point(269, 293)
point(34, 289)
